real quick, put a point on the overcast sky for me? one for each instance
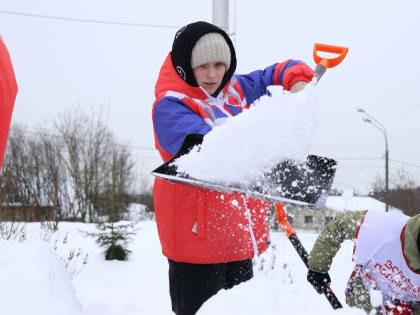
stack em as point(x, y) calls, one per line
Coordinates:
point(63, 64)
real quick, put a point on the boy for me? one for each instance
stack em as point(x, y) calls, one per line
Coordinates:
point(209, 238)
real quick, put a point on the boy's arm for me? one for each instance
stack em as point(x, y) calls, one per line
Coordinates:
point(287, 74)
point(343, 227)
point(173, 120)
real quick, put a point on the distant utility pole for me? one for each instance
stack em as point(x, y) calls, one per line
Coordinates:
point(378, 125)
point(221, 14)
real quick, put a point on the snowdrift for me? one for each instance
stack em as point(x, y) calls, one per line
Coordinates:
point(34, 280)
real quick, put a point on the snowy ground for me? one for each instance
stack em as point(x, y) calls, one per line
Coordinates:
point(140, 285)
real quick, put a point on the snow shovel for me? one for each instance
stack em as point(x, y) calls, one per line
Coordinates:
point(303, 254)
point(8, 91)
point(302, 184)
point(322, 65)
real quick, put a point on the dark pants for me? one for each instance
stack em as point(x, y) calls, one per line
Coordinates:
point(190, 285)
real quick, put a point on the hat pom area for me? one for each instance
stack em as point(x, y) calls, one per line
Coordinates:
point(211, 47)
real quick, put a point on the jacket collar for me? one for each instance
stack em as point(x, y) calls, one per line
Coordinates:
point(169, 80)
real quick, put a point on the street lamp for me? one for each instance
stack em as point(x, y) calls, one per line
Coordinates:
point(378, 125)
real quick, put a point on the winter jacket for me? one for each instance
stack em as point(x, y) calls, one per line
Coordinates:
point(346, 226)
point(8, 91)
point(197, 225)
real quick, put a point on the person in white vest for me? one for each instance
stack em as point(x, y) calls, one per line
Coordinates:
point(386, 278)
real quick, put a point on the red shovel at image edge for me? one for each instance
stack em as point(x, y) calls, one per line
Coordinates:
point(8, 91)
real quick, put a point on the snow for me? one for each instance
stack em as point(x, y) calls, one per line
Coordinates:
point(376, 298)
point(280, 287)
point(338, 203)
point(32, 272)
point(137, 212)
point(276, 128)
point(34, 281)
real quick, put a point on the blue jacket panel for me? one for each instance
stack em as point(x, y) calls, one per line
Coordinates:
point(173, 120)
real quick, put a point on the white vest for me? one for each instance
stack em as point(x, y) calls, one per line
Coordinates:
point(379, 250)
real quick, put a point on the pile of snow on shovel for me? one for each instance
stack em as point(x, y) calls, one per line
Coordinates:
point(250, 144)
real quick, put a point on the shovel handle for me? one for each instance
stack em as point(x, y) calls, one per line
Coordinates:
point(282, 220)
point(303, 254)
point(322, 63)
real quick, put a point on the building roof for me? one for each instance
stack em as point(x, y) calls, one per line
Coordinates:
point(338, 203)
point(349, 202)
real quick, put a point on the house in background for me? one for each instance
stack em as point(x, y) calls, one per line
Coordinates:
point(306, 219)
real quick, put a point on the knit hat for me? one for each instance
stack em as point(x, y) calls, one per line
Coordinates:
point(185, 41)
point(211, 47)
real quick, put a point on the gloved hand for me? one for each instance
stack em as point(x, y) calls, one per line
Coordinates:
point(298, 72)
point(318, 280)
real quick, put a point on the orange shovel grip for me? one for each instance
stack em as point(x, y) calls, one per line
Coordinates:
point(282, 219)
point(329, 62)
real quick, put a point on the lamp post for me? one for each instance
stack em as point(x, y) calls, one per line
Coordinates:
point(378, 125)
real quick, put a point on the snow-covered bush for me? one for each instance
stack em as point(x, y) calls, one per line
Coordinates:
point(115, 237)
point(73, 258)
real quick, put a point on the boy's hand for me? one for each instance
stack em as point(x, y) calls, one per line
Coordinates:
point(299, 72)
point(298, 86)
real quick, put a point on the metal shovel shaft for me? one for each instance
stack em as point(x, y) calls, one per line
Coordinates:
point(300, 249)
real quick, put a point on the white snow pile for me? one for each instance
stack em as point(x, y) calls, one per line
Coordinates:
point(277, 128)
point(376, 298)
point(137, 212)
point(34, 280)
point(354, 203)
point(279, 285)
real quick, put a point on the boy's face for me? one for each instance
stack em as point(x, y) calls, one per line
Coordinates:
point(210, 75)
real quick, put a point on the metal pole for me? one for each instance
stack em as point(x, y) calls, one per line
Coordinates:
point(378, 125)
point(221, 14)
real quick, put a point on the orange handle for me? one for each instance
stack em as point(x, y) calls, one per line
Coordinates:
point(329, 62)
point(282, 219)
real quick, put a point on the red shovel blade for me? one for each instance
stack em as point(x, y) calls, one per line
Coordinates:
point(8, 91)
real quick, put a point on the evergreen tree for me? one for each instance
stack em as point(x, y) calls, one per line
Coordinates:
point(115, 235)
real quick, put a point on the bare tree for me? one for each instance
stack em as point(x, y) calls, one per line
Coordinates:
point(92, 161)
point(16, 162)
point(404, 194)
point(52, 169)
point(70, 170)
